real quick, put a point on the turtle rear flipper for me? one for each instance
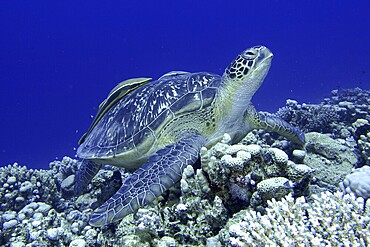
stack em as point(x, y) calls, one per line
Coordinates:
point(158, 174)
point(84, 175)
point(269, 122)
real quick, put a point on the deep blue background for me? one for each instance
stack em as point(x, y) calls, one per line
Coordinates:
point(59, 59)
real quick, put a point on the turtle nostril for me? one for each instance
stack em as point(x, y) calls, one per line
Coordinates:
point(261, 56)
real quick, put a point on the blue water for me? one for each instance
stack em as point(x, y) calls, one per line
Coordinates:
point(59, 59)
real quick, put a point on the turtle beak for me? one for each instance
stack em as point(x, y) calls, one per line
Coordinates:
point(264, 54)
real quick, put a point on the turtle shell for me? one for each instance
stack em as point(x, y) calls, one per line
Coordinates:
point(116, 94)
point(141, 114)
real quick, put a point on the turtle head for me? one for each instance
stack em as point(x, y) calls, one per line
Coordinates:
point(247, 72)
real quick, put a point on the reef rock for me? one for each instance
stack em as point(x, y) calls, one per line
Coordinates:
point(330, 159)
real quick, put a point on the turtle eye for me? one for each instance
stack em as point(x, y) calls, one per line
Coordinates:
point(250, 55)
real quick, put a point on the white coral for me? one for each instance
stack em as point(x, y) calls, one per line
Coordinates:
point(254, 149)
point(236, 163)
point(279, 156)
point(330, 220)
point(272, 188)
point(358, 182)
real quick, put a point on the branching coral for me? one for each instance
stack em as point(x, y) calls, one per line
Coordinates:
point(309, 117)
point(329, 220)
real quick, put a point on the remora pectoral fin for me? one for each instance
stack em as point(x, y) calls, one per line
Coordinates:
point(160, 172)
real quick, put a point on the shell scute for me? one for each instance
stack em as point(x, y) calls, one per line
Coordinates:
point(138, 116)
point(182, 105)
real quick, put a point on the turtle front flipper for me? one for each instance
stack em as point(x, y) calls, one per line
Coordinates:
point(161, 171)
point(85, 173)
point(269, 122)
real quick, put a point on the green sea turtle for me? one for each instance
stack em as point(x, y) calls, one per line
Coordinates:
point(158, 128)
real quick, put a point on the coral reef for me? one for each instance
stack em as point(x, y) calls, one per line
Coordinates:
point(310, 118)
point(192, 213)
point(252, 173)
point(354, 103)
point(328, 220)
point(229, 198)
point(344, 116)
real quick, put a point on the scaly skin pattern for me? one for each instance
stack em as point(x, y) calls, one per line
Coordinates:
point(266, 121)
point(160, 127)
point(160, 172)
